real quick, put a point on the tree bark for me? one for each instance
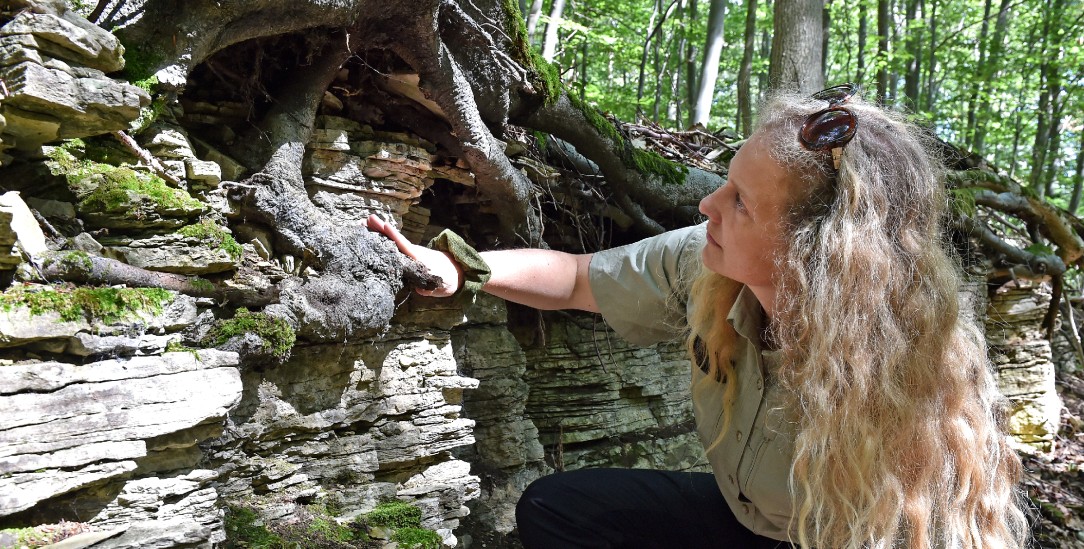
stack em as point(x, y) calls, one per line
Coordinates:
point(709, 69)
point(884, 19)
point(796, 43)
point(745, 99)
point(549, 43)
point(988, 72)
point(1078, 176)
point(532, 19)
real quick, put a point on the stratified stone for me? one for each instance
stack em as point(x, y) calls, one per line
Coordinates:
point(67, 426)
point(80, 106)
point(81, 41)
point(1023, 364)
point(30, 238)
point(171, 253)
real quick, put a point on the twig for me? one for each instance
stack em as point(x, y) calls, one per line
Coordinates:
point(146, 157)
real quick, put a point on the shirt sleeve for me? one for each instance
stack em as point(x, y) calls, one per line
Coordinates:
point(642, 288)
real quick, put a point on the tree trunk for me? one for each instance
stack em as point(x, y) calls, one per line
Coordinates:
point(976, 84)
point(931, 61)
point(765, 53)
point(1078, 176)
point(863, 31)
point(826, 27)
point(709, 68)
point(745, 99)
point(914, 55)
point(988, 71)
point(1044, 111)
point(532, 19)
point(549, 43)
point(796, 43)
point(690, 62)
point(884, 20)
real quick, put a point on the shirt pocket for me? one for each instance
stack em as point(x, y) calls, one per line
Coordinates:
point(767, 485)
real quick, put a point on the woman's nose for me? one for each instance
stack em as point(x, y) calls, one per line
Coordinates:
point(708, 203)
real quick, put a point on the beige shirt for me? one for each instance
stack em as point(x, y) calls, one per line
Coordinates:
point(642, 291)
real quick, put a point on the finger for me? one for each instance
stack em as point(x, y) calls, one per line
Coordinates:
point(389, 230)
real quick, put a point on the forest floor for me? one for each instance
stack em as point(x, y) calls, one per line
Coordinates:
point(1055, 480)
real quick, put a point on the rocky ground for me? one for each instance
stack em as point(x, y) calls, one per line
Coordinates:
point(1055, 481)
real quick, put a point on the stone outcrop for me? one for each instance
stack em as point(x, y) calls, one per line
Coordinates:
point(1023, 362)
point(53, 64)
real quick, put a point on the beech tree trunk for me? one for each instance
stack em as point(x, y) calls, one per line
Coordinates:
point(796, 46)
point(745, 99)
point(709, 69)
point(549, 43)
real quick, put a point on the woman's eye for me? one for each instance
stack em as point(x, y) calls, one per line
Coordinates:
point(738, 202)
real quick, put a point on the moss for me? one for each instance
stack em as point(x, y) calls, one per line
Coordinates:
point(43, 535)
point(540, 139)
point(671, 173)
point(148, 114)
point(106, 305)
point(73, 261)
point(178, 347)
point(201, 284)
point(543, 73)
point(208, 230)
point(278, 337)
point(325, 526)
point(395, 514)
point(597, 121)
point(962, 201)
point(245, 529)
point(416, 538)
point(115, 189)
point(140, 63)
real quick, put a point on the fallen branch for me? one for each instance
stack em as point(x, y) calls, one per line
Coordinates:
point(84, 268)
point(146, 157)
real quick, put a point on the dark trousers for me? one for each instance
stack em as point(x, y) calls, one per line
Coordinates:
point(631, 508)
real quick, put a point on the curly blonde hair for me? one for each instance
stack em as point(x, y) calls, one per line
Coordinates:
point(900, 438)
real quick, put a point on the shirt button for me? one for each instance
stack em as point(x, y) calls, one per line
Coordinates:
point(731, 479)
point(739, 436)
point(745, 508)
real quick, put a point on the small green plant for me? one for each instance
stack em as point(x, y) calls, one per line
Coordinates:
point(278, 337)
point(395, 514)
point(106, 305)
point(416, 538)
point(201, 284)
point(45, 534)
point(245, 529)
point(211, 231)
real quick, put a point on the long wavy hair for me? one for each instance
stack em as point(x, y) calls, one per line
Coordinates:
point(900, 438)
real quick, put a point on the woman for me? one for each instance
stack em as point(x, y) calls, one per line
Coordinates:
point(841, 400)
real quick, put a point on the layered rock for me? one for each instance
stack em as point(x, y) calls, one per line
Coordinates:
point(53, 64)
point(1023, 363)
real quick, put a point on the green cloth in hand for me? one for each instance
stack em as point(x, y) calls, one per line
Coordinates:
point(475, 270)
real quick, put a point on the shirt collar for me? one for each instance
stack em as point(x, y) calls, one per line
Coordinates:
point(747, 316)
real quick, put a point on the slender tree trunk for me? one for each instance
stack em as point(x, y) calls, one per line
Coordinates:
point(976, 84)
point(690, 63)
point(863, 31)
point(826, 27)
point(1053, 154)
point(914, 54)
point(988, 72)
point(549, 44)
point(532, 19)
point(796, 44)
point(765, 53)
point(883, 22)
point(1018, 129)
point(931, 61)
point(709, 69)
point(1043, 112)
point(1078, 176)
point(745, 100)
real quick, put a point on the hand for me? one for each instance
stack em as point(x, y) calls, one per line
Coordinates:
point(438, 263)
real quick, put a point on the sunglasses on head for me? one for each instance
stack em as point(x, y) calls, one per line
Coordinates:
point(833, 127)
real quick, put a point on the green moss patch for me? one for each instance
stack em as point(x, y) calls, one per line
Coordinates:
point(213, 233)
point(670, 172)
point(116, 189)
point(40, 536)
point(106, 305)
point(313, 528)
point(416, 538)
point(395, 514)
point(278, 337)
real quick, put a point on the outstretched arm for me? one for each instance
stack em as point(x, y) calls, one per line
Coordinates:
point(543, 279)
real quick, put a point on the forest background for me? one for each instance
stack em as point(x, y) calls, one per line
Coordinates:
point(1001, 78)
